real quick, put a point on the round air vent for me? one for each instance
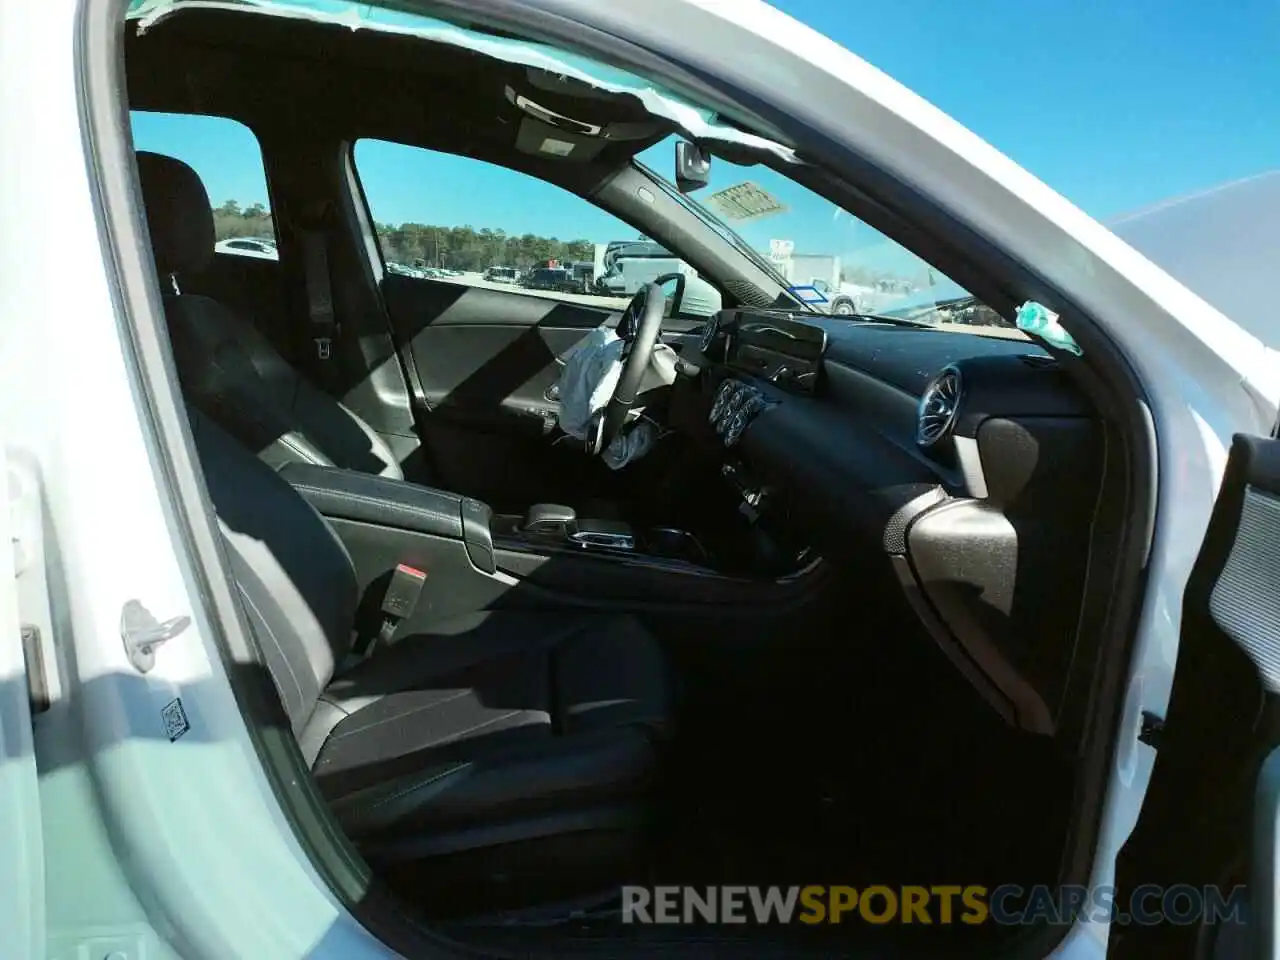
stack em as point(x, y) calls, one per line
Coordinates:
point(938, 405)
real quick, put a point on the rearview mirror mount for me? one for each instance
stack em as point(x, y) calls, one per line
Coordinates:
point(693, 167)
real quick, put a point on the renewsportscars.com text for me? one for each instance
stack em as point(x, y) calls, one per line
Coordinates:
point(940, 904)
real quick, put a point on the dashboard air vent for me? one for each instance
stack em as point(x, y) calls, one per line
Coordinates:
point(936, 414)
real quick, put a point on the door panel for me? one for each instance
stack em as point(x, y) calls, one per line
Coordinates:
point(485, 362)
point(1212, 799)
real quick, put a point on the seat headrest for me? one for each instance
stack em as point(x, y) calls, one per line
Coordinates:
point(179, 216)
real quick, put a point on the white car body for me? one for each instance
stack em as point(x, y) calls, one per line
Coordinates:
point(844, 298)
point(1222, 243)
point(255, 247)
point(160, 876)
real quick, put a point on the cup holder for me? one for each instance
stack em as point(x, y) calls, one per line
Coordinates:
point(675, 545)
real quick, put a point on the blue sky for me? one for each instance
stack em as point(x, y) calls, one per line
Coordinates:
point(1117, 104)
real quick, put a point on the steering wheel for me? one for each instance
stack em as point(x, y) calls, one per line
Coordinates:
point(638, 327)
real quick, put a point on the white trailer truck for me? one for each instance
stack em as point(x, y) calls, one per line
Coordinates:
point(822, 272)
point(842, 298)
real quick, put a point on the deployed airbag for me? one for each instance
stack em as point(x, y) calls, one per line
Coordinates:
point(587, 382)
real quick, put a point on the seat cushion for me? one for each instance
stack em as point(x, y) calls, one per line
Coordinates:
point(491, 716)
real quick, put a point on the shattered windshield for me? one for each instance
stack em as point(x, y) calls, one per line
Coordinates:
point(830, 261)
point(657, 100)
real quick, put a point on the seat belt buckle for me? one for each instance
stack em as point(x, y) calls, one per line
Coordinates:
point(403, 591)
point(398, 603)
point(324, 347)
point(400, 600)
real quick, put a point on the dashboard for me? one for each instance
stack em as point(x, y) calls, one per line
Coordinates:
point(771, 345)
point(970, 464)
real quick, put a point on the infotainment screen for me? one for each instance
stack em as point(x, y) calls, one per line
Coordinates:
point(777, 347)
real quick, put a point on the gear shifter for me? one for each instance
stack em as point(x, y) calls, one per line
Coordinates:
point(549, 520)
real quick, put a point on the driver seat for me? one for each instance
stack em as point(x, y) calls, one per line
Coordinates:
point(228, 369)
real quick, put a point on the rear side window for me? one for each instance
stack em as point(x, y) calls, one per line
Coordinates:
point(227, 157)
point(441, 216)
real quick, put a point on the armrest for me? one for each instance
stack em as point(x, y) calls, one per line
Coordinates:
point(351, 495)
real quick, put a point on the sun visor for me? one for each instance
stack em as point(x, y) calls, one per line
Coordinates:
point(543, 140)
point(545, 131)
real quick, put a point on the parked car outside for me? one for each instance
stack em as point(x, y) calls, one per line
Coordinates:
point(500, 275)
point(258, 247)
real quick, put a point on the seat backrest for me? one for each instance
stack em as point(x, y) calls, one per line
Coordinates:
point(294, 576)
point(229, 370)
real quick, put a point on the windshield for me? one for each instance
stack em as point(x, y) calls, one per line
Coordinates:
point(830, 261)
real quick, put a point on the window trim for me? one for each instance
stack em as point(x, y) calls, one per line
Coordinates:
point(261, 158)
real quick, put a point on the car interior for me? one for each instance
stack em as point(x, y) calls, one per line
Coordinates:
point(839, 626)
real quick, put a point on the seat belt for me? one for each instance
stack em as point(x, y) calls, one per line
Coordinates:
point(323, 320)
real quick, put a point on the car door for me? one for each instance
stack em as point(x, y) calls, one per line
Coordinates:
point(26, 659)
point(486, 364)
point(1204, 851)
point(483, 356)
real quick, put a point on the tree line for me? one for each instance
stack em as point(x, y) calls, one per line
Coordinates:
point(453, 248)
point(232, 220)
point(466, 248)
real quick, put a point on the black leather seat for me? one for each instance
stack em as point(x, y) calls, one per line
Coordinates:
point(228, 369)
point(487, 733)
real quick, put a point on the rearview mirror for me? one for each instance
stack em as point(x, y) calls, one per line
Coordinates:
point(693, 167)
point(688, 297)
point(672, 285)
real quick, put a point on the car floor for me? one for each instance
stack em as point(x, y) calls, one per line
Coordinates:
point(838, 768)
point(854, 756)
point(858, 758)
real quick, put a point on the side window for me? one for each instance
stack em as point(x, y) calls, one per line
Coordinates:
point(461, 220)
point(226, 156)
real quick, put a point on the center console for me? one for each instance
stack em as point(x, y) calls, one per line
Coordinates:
point(474, 559)
point(550, 526)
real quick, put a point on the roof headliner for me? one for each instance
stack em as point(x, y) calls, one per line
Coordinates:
point(305, 79)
